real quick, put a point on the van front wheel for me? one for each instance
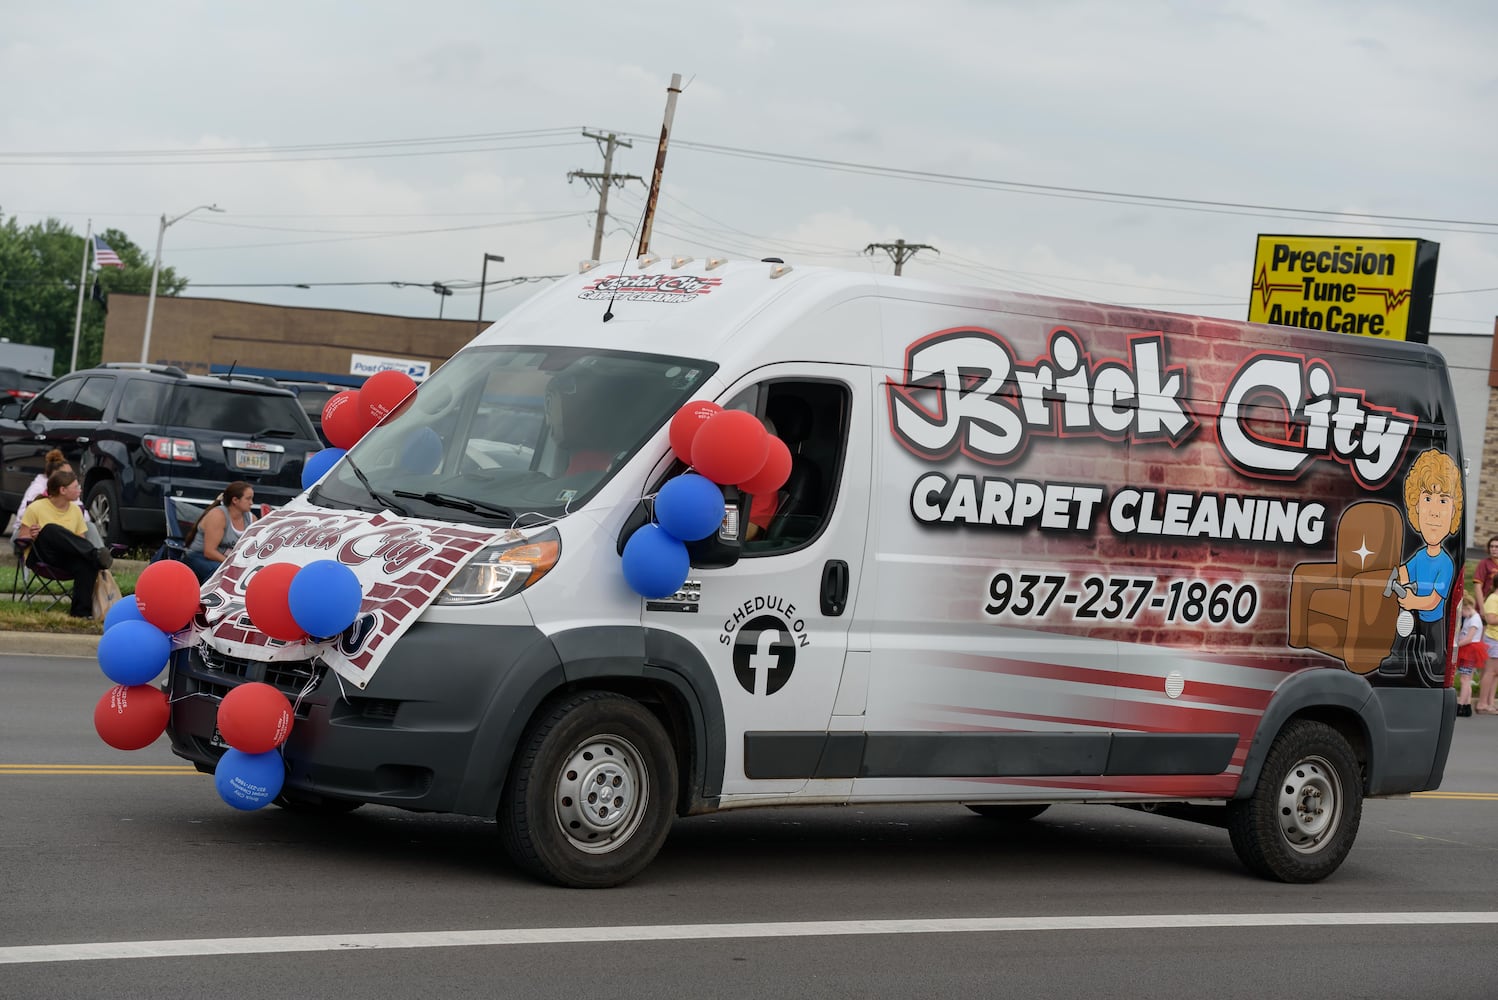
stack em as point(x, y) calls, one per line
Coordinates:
point(1303, 816)
point(592, 792)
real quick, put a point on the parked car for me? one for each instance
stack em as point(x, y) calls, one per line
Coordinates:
point(18, 386)
point(314, 396)
point(137, 434)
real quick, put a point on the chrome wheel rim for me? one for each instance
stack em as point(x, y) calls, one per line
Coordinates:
point(1309, 809)
point(601, 794)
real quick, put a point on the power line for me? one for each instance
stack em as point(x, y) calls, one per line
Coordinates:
point(305, 147)
point(6, 161)
point(1085, 194)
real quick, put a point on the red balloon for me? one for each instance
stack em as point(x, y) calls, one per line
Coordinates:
point(129, 718)
point(254, 718)
point(773, 474)
point(687, 422)
point(731, 447)
point(266, 599)
point(382, 392)
point(344, 421)
point(166, 593)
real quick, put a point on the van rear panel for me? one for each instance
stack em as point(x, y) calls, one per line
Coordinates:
point(1126, 531)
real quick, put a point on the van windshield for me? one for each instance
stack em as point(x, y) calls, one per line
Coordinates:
point(500, 432)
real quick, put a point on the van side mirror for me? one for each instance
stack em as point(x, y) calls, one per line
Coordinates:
point(719, 550)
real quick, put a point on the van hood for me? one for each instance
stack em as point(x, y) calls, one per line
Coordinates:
point(402, 564)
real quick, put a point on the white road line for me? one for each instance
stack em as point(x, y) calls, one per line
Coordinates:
point(197, 947)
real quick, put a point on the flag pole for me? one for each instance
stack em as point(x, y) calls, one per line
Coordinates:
point(82, 283)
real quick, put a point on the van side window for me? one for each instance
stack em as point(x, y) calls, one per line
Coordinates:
point(812, 419)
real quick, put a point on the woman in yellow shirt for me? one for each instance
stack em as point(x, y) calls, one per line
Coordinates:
point(54, 526)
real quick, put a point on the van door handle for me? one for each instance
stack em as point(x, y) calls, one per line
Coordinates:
point(834, 587)
point(83, 440)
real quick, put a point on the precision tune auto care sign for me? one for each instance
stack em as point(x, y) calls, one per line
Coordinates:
point(1345, 284)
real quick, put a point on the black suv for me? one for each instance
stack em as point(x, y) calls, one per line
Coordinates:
point(139, 433)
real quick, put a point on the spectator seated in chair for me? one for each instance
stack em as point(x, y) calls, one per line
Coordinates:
point(54, 528)
point(209, 540)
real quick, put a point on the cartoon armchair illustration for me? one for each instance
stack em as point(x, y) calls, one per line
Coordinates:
point(1340, 608)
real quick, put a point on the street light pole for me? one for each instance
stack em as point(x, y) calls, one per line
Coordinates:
point(483, 280)
point(145, 343)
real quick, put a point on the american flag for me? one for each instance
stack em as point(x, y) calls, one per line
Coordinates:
point(104, 256)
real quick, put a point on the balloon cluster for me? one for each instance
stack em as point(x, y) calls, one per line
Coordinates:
point(351, 414)
point(254, 719)
point(285, 601)
point(292, 603)
point(134, 649)
point(726, 448)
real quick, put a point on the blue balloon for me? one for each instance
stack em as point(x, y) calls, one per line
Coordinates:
point(249, 780)
point(123, 610)
point(421, 452)
point(656, 563)
point(134, 652)
point(318, 465)
point(324, 597)
point(690, 507)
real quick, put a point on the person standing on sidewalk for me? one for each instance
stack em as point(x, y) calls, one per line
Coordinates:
point(1489, 680)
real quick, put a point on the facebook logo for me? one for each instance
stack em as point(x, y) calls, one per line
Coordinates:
point(764, 654)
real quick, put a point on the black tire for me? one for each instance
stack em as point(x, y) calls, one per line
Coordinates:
point(315, 806)
point(103, 503)
point(1007, 813)
point(549, 824)
point(1304, 813)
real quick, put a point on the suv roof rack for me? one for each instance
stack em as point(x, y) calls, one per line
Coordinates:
point(172, 370)
point(245, 377)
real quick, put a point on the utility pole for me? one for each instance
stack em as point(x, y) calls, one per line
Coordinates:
point(899, 251)
point(601, 182)
point(443, 291)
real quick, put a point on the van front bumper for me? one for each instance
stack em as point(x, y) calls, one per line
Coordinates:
point(415, 737)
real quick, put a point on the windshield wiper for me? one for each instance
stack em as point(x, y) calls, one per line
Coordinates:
point(459, 503)
point(273, 432)
point(374, 494)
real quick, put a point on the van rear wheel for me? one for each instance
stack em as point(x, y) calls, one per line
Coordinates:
point(591, 794)
point(1008, 813)
point(1304, 814)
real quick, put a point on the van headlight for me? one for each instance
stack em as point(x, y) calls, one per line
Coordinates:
point(503, 570)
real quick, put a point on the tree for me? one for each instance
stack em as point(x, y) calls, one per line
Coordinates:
point(39, 267)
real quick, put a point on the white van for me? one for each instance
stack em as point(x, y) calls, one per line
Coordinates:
point(1030, 551)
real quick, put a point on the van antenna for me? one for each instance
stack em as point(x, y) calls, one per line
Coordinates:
point(232, 365)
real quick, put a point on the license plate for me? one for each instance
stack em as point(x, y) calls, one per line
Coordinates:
point(257, 460)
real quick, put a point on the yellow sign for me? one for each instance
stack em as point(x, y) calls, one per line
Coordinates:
point(1368, 286)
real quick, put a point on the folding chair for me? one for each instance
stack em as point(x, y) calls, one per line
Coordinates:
point(36, 581)
point(173, 547)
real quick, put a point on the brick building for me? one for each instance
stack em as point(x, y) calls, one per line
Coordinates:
point(205, 335)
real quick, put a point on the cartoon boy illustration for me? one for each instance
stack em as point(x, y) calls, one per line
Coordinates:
point(1433, 504)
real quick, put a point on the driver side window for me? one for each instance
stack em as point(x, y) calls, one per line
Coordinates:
point(811, 418)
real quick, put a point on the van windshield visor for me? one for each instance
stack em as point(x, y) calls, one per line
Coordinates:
point(500, 433)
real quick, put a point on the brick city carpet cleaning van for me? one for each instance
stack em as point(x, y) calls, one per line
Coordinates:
point(1029, 551)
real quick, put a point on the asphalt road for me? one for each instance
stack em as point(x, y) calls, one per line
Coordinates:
point(1086, 901)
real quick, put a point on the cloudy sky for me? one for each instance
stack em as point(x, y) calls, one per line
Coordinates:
point(1032, 143)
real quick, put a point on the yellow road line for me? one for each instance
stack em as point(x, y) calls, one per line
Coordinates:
point(1474, 796)
point(95, 768)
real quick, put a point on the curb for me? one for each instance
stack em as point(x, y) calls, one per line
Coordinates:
point(48, 644)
